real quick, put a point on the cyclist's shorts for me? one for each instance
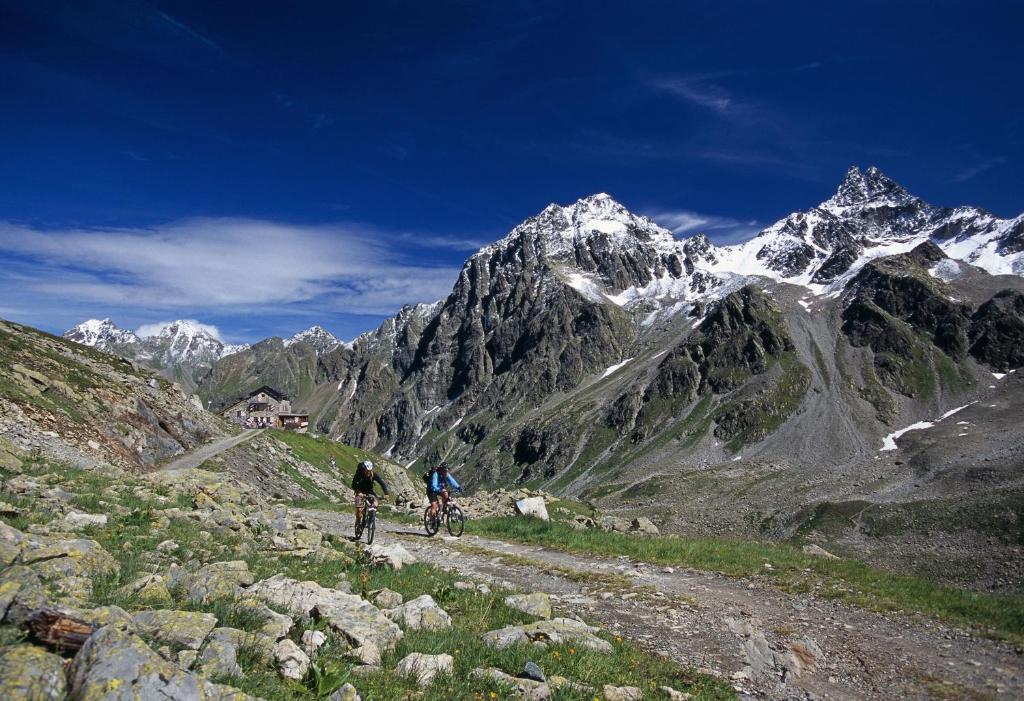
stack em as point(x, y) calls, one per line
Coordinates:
point(360, 500)
point(432, 497)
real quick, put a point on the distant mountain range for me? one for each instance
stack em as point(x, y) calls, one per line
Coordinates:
point(181, 350)
point(749, 387)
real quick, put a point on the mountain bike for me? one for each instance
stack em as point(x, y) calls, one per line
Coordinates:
point(369, 523)
point(452, 516)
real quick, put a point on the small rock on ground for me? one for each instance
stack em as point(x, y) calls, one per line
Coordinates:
point(424, 667)
point(537, 604)
point(621, 693)
point(387, 599)
point(292, 662)
point(422, 613)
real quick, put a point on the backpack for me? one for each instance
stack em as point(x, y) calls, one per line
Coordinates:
point(427, 476)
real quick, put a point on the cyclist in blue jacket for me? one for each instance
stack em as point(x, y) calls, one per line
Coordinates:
point(441, 480)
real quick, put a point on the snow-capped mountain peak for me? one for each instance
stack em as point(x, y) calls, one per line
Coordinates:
point(100, 333)
point(179, 328)
point(183, 342)
point(870, 187)
point(317, 336)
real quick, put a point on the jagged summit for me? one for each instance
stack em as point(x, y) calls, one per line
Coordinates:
point(870, 186)
point(317, 336)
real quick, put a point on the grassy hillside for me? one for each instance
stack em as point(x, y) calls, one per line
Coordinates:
point(318, 450)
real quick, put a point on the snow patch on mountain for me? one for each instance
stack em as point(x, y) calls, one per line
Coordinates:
point(587, 287)
point(889, 442)
point(611, 370)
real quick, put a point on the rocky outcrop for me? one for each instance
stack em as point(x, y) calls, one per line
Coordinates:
point(902, 288)
point(88, 408)
point(359, 621)
point(741, 337)
point(997, 331)
point(115, 664)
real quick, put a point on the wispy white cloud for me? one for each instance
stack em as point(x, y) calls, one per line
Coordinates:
point(196, 267)
point(190, 32)
point(979, 168)
point(723, 230)
point(696, 91)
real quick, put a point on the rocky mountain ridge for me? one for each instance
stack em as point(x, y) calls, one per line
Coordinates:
point(747, 387)
point(588, 281)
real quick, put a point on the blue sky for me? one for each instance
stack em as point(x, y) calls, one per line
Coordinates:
point(263, 167)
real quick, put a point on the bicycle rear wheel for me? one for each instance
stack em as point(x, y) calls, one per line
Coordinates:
point(431, 524)
point(371, 527)
point(456, 521)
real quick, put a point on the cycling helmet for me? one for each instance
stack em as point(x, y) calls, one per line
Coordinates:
point(443, 466)
point(366, 465)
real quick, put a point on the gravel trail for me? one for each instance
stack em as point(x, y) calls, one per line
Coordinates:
point(769, 643)
point(200, 455)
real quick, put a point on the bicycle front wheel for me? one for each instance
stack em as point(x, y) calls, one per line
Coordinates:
point(371, 527)
point(431, 524)
point(456, 521)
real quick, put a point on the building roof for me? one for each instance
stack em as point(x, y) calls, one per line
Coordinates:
point(268, 390)
point(249, 395)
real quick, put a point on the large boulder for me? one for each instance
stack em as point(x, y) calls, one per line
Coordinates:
point(557, 631)
point(358, 620)
point(30, 673)
point(423, 668)
point(185, 628)
point(532, 506)
point(422, 613)
point(115, 665)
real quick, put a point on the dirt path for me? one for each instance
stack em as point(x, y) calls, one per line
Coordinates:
point(769, 643)
point(200, 455)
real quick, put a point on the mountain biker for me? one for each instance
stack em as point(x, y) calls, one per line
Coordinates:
point(362, 484)
point(440, 481)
